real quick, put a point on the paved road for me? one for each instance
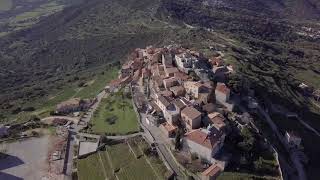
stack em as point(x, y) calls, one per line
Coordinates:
point(294, 155)
point(308, 126)
point(154, 134)
point(284, 166)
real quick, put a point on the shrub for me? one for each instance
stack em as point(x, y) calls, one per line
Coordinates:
point(112, 120)
point(28, 109)
point(194, 156)
point(35, 133)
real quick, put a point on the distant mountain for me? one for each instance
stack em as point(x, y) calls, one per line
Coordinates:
point(292, 9)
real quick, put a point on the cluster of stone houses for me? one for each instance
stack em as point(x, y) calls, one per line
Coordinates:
point(184, 103)
point(74, 105)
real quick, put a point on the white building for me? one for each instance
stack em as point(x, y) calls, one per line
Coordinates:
point(170, 112)
point(292, 139)
point(222, 93)
point(204, 143)
point(184, 60)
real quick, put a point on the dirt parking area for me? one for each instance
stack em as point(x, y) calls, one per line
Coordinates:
point(27, 159)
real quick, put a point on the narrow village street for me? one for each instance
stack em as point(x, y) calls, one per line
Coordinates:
point(154, 135)
point(68, 164)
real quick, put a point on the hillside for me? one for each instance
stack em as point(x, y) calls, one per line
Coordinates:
point(274, 45)
point(289, 9)
point(40, 60)
point(37, 61)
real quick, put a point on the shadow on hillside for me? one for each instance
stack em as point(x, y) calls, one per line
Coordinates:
point(8, 161)
point(9, 176)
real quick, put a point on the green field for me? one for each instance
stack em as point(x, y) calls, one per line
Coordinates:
point(107, 165)
point(119, 107)
point(310, 77)
point(5, 5)
point(241, 176)
point(119, 162)
point(88, 168)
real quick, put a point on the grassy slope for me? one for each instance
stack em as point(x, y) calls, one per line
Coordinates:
point(129, 166)
point(241, 176)
point(111, 106)
point(119, 161)
point(81, 38)
point(98, 32)
point(95, 84)
point(5, 5)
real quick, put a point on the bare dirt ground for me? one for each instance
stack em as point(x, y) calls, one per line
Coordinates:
point(31, 159)
point(25, 159)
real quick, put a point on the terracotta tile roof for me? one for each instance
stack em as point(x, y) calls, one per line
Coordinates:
point(179, 103)
point(164, 101)
point(191, 112)
point(160, 67)
point(221, 87)
point(209, 108)
point(115, 82)
point(213, 170)
point(217, 119)
point(181, 76)
point(158, 80)
point(166, 93)
point(216, 61)
point(203, 84)
point(203, 138)
point(146, 72)
point(177, 90)
point(171, 70)
point(171, 81)
point(155, 106)
point(168, 127)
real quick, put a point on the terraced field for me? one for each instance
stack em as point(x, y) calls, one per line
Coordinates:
point(88, 168)
point(118, 161)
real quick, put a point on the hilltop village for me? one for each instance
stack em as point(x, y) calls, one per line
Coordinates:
point(170, 112)
point(184, 94)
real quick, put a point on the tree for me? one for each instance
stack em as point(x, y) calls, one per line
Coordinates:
point(178, 137)
point(248, 140)
point(235, 82)
point(258, 164)
point(194, 76)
